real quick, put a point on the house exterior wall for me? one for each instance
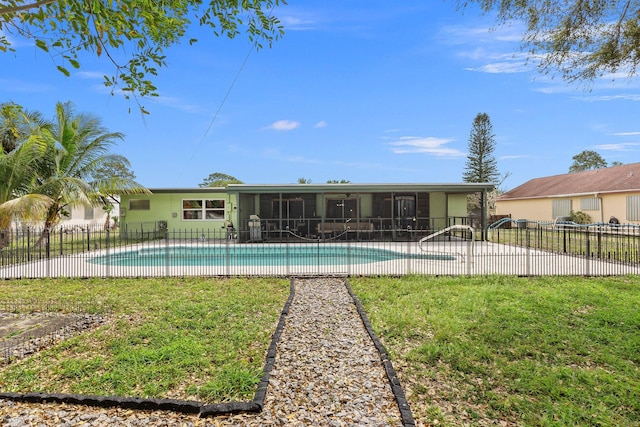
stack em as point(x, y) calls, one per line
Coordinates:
point(424, 206)
point(542, 209)
point(169, 207)
point(80, 216)
point(457, 205)
point(439, 208)
point(530, 209)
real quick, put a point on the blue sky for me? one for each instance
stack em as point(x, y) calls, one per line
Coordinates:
point(367, 91)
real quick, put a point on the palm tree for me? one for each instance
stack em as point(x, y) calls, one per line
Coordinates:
point(18, 169)
point(23, 146)
point(17, 124)
point(77, 146)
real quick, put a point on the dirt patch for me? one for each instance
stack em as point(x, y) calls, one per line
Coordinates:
point(23, 334)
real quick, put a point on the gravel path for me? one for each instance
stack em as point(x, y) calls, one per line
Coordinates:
point(327, 372)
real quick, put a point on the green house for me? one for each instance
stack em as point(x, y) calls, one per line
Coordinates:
point(301, 211)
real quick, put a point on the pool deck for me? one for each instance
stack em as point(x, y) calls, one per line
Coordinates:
point(481, 258)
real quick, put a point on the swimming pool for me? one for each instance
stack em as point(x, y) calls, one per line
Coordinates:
point(261, 255)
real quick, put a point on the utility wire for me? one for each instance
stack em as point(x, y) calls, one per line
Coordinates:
point(222, 102)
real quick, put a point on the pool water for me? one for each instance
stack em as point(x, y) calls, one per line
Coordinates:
point(262, 255)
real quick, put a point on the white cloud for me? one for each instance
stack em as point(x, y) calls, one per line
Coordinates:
point(501, 68)
point(514, 156)
point(282, 125)
point(458, 34)
point(626, 134)
point(616, 147)
point(602, 98)
point(425, 145)
point(90, 75)
point(294, 23)
point(321, 124)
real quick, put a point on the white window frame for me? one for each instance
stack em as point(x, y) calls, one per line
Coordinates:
point(203, 209)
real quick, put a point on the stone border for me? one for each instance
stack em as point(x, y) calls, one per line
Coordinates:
point(175, 405)
point(396, 388)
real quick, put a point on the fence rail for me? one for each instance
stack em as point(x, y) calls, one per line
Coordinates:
point(525, 249)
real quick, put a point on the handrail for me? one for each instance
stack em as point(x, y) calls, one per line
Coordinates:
point(445, 230)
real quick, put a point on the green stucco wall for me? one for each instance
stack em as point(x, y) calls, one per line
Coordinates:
point(168, 207)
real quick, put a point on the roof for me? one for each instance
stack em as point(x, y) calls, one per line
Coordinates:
point(354, 188)
point(334, 188)
point(616, 179)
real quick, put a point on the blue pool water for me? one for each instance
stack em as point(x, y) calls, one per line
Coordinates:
point(261, 255)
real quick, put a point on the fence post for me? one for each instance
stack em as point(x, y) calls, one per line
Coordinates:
point(48, 243)
point(107, 244)
point(528, 254)
point(588, 255)
point(227, 257)
point(286, 245)
point(470, 244)
point(348, 257)
point(408, 265)
point(167, 253)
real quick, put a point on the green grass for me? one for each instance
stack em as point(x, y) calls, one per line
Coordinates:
point(529, 351)
point(543, 351)
point(190, 338)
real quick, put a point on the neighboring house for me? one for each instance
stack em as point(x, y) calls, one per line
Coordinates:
point(600, 193)
point(309, 210)
point(92, 216)
point(80, 217)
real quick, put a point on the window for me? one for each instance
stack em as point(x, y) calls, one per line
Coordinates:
point(561, 207)
point(139, 205)
point(88, 212)
point(198, 209)
point(590, 204)
point(633, 208)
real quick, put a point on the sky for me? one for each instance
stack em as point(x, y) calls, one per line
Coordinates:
point(366, 91)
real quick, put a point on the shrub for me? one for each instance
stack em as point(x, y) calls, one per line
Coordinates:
point(580, 217)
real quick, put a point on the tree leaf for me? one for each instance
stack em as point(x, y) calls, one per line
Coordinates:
point(64, 70)
point(42, 45)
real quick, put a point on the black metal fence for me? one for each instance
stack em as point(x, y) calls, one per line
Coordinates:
point(522, 248)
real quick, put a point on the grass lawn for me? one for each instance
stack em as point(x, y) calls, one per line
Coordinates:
point(542, 351)
point(201, 339)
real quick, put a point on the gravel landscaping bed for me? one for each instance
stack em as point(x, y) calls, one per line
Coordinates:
point(327, 372)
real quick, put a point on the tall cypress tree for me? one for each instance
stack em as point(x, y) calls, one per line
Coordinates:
point(481, 165)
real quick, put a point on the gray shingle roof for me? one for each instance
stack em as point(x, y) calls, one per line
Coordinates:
point(621, 178)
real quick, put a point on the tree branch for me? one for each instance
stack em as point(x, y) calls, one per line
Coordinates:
point(14, 9)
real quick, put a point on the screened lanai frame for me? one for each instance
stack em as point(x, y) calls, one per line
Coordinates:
point(367, 211)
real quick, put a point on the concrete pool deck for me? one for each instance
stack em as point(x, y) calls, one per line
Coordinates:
point(481, 258)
